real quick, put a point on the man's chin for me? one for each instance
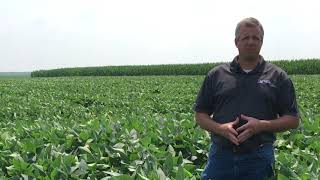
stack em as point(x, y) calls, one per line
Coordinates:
point(251, 57)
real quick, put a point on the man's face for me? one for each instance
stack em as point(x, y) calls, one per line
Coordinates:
point(249, 42)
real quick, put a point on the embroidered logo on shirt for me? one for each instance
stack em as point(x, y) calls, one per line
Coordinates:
point(264, 81)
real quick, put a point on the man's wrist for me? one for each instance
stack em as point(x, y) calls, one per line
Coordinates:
point(262, 126)
point(265, 125)
point(217, 128)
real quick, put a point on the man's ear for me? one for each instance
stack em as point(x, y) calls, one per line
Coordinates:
point(236, 42)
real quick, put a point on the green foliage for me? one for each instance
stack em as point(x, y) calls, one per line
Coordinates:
point(309, 66)
point(128, 128)
point(143, 70)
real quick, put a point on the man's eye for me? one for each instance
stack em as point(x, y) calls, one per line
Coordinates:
point(245, 38)
point(256, 38)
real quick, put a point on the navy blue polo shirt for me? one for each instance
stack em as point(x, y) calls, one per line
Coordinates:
point(264, 93)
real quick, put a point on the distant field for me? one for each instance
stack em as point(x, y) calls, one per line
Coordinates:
point(128, 128)
point(15, 74)
point(303, 66)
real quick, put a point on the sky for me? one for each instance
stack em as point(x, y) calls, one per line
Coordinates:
point(49, 34)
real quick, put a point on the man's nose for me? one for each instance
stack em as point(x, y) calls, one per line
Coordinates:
point(251, 41)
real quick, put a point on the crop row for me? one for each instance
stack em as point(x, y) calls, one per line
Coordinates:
point(310, 66)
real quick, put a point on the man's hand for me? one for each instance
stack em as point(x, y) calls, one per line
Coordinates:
point(226, 130)
point(253, 126)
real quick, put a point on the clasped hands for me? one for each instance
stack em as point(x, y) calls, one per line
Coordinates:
point(240, 134)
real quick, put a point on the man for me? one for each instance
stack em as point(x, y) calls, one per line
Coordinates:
point(243, 104)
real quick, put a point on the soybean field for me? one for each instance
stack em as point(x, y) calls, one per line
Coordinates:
point(129, 127)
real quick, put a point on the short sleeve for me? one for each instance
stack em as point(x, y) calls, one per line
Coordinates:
point(204, 100)
point(287, 103)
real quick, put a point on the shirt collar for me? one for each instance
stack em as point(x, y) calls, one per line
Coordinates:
point(235, 66)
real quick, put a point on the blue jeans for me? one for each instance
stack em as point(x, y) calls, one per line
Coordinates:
point(226, 165)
